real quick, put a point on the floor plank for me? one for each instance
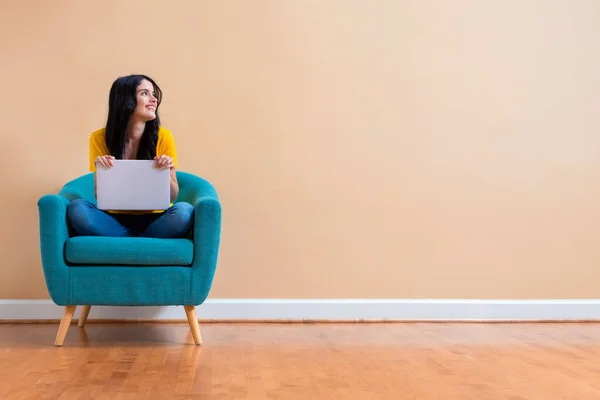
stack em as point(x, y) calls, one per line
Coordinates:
point(302, 361)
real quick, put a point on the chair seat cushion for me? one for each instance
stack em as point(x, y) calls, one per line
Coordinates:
point(94, 250)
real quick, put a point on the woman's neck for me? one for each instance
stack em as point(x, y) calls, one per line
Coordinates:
point(132, 141)
point(135, 132)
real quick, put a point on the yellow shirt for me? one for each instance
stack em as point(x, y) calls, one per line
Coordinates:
point(164, 146)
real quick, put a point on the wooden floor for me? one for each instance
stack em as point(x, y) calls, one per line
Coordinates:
point(302, 361)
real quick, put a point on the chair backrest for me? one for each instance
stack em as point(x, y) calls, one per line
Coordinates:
point(83, 186)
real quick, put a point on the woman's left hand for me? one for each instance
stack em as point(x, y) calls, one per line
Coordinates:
point(164, 161)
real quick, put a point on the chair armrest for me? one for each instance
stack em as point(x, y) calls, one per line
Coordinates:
point(54, 233)
point(197, 189)
point(207, 234)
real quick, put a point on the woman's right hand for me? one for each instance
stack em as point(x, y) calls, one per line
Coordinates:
point(105, 161)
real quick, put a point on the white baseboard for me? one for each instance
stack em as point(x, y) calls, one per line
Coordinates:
point(332, 310)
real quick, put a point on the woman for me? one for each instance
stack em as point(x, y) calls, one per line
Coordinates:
point(133, 131)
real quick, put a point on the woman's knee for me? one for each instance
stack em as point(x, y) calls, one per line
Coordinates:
point(78, 208)
point(79, 215)
point(183, 212)
point(176, 222)
point(181, 219)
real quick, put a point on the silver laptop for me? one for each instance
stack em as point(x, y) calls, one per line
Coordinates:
point(133, 185)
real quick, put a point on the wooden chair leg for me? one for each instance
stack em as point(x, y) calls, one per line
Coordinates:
point(64, 324)
point(85, 311)
point(190, 312)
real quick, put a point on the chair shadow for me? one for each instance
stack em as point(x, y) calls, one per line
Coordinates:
point(129, 334)
point(24, 336)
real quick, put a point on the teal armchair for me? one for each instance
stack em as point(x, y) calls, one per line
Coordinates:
point(133, 271)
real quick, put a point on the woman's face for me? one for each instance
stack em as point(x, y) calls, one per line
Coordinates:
point(145, 109)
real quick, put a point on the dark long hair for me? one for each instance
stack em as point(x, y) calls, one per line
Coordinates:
point(121, 104)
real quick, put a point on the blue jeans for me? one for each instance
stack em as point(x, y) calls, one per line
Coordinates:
point(87, 220)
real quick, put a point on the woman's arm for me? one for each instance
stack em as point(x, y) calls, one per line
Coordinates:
point(105, 161)
point(174, 185)
point(165, 161)
point(166, 157)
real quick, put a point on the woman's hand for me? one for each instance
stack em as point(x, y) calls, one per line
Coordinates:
point(105, 161)
point(164, 161)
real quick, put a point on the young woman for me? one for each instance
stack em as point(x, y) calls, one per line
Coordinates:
point(133, 131)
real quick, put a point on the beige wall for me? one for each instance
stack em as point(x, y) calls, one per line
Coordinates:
point(371, 149)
